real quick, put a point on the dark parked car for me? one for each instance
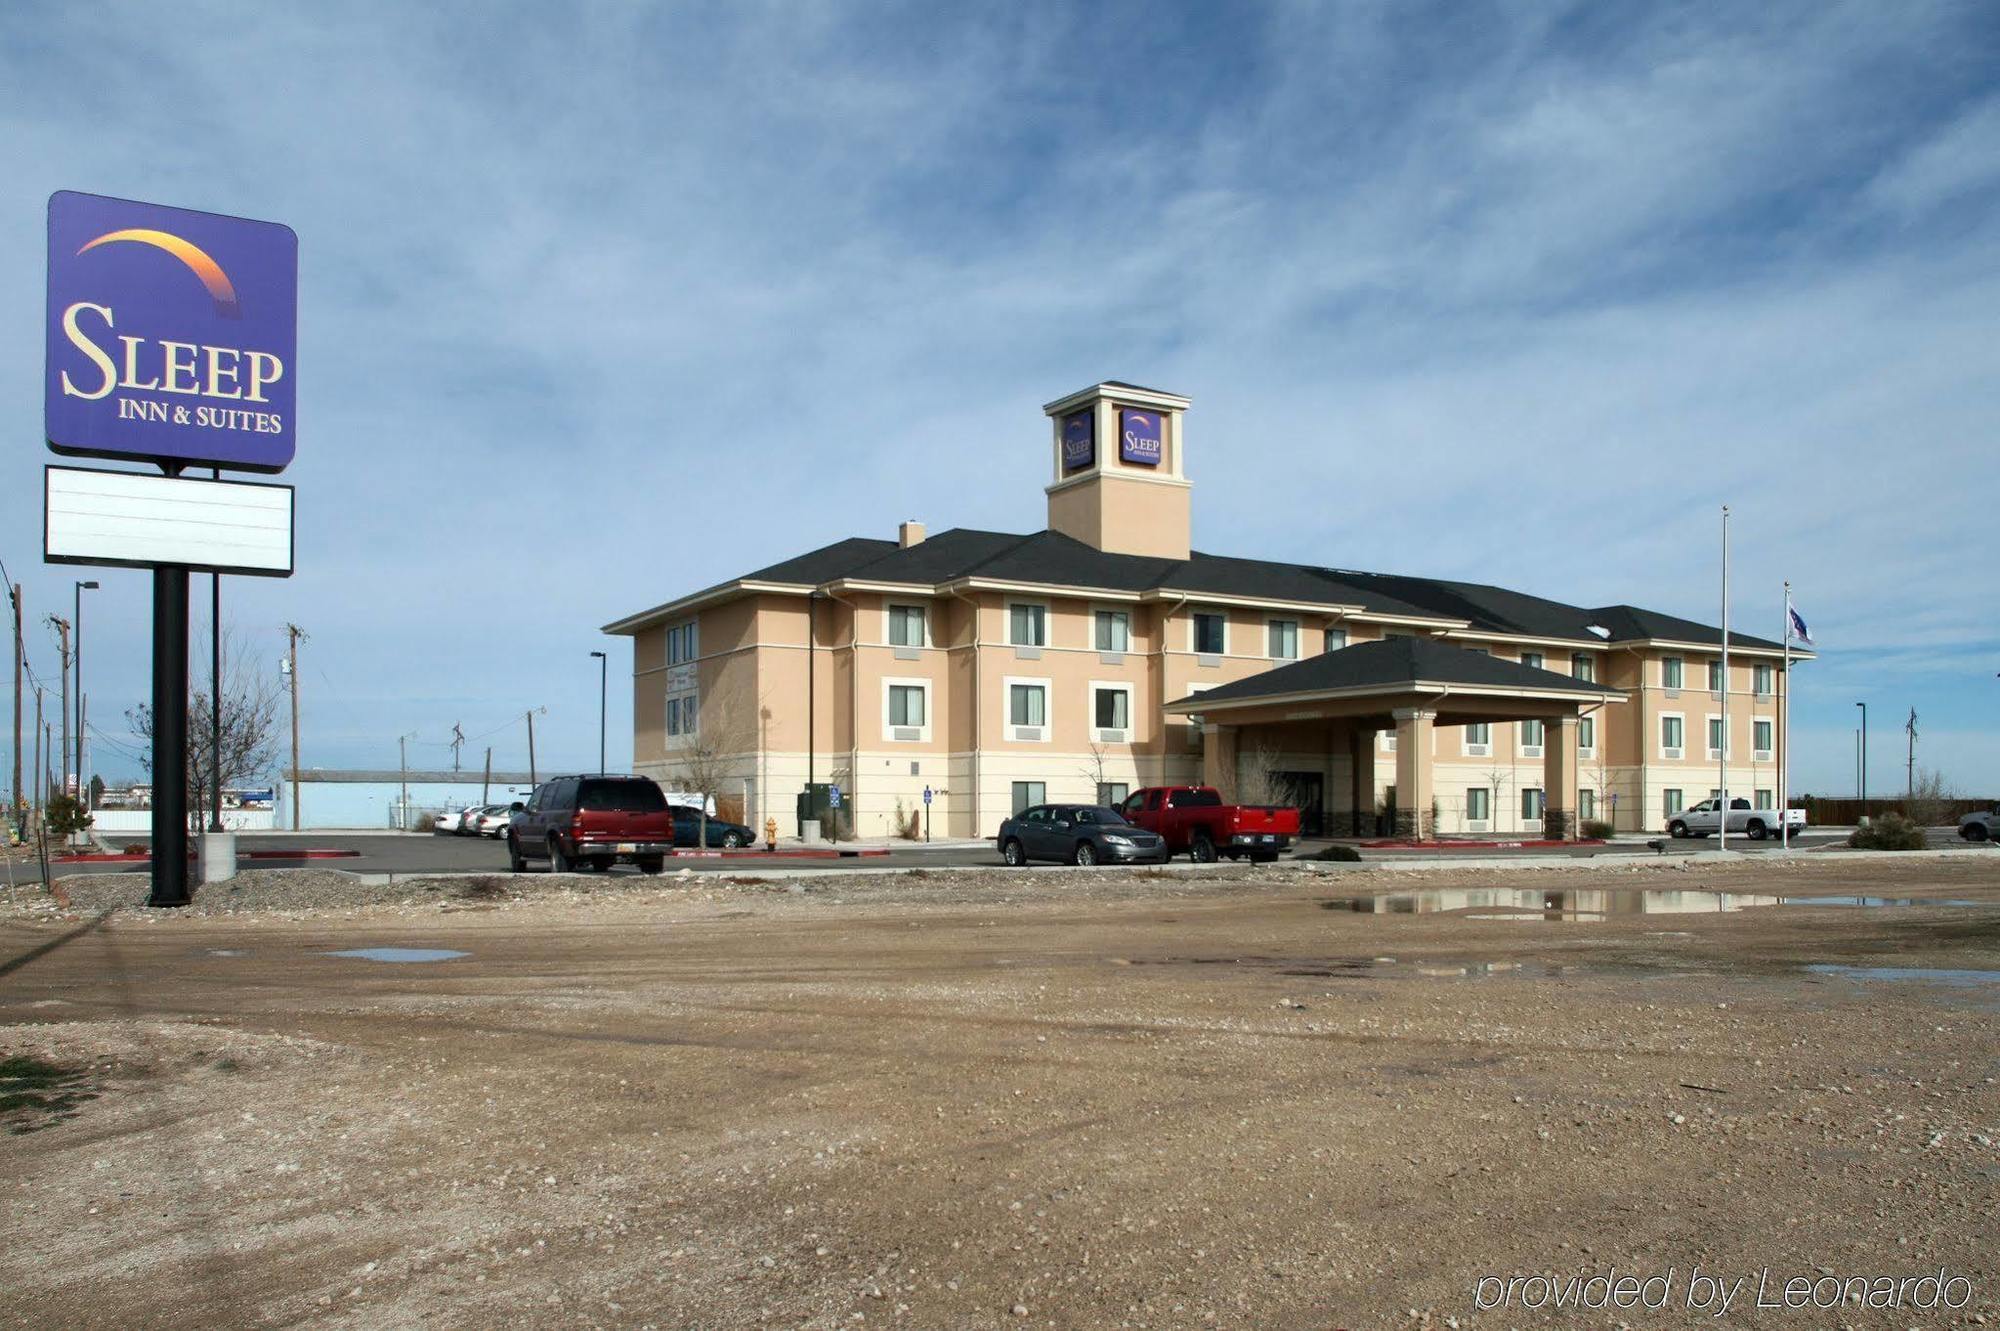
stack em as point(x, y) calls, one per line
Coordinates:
point(592, 822)
point(1077, 834)
point(722, 835)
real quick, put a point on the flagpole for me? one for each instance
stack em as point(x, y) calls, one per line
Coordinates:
point(1722, 763)
point(1785, 729)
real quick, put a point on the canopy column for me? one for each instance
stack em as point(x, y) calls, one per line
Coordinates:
point(1559, 772)
point(1413, 773)
point(1218, 758)
point(1361, 776)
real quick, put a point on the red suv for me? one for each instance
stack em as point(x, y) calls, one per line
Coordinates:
point(592, 822)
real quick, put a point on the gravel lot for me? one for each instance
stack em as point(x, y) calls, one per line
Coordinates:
point(992, 1098)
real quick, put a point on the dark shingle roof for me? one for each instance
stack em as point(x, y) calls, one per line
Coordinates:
point(1052, 559)
point(1393, 662)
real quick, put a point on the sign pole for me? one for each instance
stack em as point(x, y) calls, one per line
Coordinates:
point(170, 716)
point(214, 693)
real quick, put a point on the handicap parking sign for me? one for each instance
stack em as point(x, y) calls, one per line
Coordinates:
point(833, 796)
point(927, 794)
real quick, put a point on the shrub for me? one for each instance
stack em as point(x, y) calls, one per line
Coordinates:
point(1344, 854)
point(427, 822)
point(64, 815)
point(1596, 829)
point(1892, 831)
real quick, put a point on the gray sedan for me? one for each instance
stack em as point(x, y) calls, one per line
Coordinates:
point(1077, 834)
point(1978, 826)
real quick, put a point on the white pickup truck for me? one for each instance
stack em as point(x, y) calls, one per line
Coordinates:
point(1705, 819)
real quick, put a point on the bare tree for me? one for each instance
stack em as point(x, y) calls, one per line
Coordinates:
point(1256, 779)
point(715, 754)
point(249, 747)
point(1095, 768)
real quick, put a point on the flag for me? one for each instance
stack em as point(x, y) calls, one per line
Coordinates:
point(1796, 628)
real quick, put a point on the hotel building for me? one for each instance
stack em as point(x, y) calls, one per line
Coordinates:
point(1104, 654)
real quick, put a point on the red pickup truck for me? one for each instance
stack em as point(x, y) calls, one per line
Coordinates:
point(1194, 819)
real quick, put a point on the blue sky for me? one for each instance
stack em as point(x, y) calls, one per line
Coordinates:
point(1568, 277)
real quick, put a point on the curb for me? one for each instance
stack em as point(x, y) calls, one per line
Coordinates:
point(311, 854)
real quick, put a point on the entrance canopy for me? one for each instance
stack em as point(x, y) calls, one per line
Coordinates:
point(1371, 681)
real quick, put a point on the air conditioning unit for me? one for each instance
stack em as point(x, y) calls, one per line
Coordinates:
point(1029, 733)
point(1477, 825)
point(1531, 750)
point(1113, 736)
point(1671, 755)
point(908, 732)
point(1478, 751)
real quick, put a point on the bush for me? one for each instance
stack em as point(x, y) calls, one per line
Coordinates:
point(1344, 854)
point(64, 815)
point(1597, 829)
point(427, 822)
point(1892, 831)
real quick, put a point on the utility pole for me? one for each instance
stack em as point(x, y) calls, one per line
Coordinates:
point(61, 626)
point(457, 743)
point(76, 616)
point(486, 782)
point(292, 635)
point(531, 748)
point(41, 764)
point(403, 756)
point(14, 791)
point(1910, 763)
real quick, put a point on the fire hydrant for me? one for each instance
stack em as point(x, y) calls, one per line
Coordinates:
point(771, 834)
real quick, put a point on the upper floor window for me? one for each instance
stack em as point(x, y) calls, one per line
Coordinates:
point(1583, 667)
point(1715, 676)
point(1672, 731)
point(1533, 660)
point(906, 626)
point(1111, 708)
point(1764, 679)
point(1028, 625)
point(1532, 734)
point(906, 704)
point(1211, 636)
point(1586, 733)
point(1670, 672)
point(1284, 636)
point(1336, 639)
point(1760, 736)
point(1027, 704)
point(681, 643)
point(1114, 631)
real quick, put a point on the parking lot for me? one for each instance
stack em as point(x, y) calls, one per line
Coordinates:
point(968, 1100)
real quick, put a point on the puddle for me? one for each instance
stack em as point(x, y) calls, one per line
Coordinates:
point(1959, 979)
point(1588, 905)
point(400, 953)
point(226, 952)
point(1374, 968)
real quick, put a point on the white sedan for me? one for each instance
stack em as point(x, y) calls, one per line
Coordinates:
point(491, 821)
point(452, 821)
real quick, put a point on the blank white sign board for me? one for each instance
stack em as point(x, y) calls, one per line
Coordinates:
point(133, 520)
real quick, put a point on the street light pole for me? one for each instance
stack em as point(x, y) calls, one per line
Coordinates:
point(82, 788)
point(1864, 757)
point(603, 691)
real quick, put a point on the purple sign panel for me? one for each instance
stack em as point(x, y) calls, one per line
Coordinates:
point(172, 335)
point(1079, 440)
point(1139, 435)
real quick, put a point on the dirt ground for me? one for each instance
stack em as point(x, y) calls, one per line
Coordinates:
point(1028, 1099)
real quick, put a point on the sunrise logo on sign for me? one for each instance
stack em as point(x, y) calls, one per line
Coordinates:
point(1139, 437)
point(171, 335)
point(1079, 440)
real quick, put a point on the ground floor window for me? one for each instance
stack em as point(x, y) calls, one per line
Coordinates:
point(1586, 733)
point(1764, 800)
point(1670, 803)
point(1478, 803)
point(1027, 794)
point(682, 711)
point(1111, 794)
point(1531, 802)
point(1586, 803)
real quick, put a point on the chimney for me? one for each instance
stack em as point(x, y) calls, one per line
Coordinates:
point(910, 533)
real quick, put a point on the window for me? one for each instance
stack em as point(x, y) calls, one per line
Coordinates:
point(1478, 804)
point(1586, 733)
point(1027, 794)
point(1112, 794)
point(1586, 802)
point(1764, 680)
point(1670, 803)
point(681, 643)
point(906, 704)
point(1760, 739)
point(1336, 639)
point(1211, 635)
point(1715, 676)
point(1531, 803)
point(1583, 667)
point(1670, 672)
point(1480, 651)
point(1764, 800)
point(1532, 737)
point(1027, 704)
point(1671, 734)
point(1532, 660)
point(1111, 708)
point(906, 626)
point(1114, 631)
point(1478, 742)
point(1028, 625)
point(1284, 639)
point(682, 710)
point(1715, 736)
